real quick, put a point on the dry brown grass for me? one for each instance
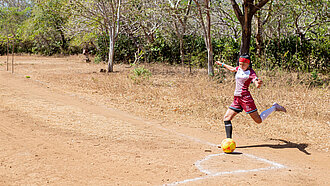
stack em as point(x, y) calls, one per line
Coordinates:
point(195, 100)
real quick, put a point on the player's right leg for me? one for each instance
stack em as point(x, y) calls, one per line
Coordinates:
point(256, 117)
point(279, 107)
point(275, 107)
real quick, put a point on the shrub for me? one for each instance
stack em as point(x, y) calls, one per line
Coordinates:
point(140, 74)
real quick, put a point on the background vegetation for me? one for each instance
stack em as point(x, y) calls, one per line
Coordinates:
point(291, 35)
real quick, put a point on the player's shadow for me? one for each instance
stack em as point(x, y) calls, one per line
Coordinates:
point(300, 146)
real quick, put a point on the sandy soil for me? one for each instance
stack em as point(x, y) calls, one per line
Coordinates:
point(51, 134)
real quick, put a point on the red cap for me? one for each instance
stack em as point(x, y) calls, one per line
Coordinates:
point(244, 60)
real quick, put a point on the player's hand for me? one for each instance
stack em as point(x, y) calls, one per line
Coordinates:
point(258, 83)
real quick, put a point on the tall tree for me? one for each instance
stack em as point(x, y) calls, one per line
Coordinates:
point(46, 26)
point(180, 15)
point(103, 14)
point(260, 22)
point(11, 19)
point(244, 16)
point(206, 29)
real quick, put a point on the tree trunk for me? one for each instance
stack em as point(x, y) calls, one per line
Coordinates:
point(111, 51)
point(278, 42)
point(181, 51)
point(7, 52)
point(12, 59)
point(114, 30)
point(246, 38)
point(63, 45)
point(210, 61)
point(207, 34)
point(245, 18)
point(259, 39)
point(180, 36)
point(246, 32)
point(209, 42)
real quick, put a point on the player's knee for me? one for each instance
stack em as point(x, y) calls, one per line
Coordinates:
point(227, 118)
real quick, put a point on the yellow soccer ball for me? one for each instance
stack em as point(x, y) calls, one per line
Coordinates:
point(228, 145)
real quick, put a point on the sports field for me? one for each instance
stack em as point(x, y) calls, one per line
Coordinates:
point(62, 122)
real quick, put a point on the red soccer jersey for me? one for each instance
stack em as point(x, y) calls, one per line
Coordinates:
point(243, 81)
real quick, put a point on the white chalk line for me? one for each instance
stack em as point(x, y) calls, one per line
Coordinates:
point(198, 163)
point(274, 165)
point(210, 175)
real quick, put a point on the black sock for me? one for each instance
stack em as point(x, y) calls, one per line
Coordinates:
point(229, 128)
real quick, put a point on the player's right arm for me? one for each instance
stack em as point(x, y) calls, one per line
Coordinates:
point(228, 67)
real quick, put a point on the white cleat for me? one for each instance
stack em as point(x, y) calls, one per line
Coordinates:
point(279, 107)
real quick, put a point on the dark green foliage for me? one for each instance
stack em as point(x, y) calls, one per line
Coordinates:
point(102, 44)
point(226, 49)
point(125, 49)
point(3, 48)
point(196, 50)
point(20, 47)
point(162, 50)
point(221, 75)
point(295, 55)
point(288, 54)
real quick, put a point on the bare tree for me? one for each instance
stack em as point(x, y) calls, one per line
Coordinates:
point(141, 19)
point(260, 22)
point(104, 13)
point(225, 23)
point(180, 15)
point(11, 19)
point(206, 27)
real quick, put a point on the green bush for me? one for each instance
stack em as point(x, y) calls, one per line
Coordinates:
point(294, 55)
point(140, 74)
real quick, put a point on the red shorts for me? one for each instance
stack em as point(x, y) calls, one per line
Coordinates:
point(245, 103)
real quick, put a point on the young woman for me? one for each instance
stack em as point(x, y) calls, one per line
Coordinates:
point(242, 97)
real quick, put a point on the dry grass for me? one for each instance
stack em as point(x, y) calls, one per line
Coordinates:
point(195, 100)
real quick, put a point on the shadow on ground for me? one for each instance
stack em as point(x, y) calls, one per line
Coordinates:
point(300, 146)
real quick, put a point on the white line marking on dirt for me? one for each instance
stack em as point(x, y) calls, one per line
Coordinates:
point(198, 163)
point(206, 171)
point(274, 165)
point(209, 174)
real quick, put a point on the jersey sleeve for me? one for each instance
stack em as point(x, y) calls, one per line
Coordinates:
point(236, 68)
point(253, 76)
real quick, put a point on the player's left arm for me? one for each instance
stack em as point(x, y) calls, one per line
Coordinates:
point(257, 82)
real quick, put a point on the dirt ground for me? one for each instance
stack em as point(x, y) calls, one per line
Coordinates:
point(53, 133)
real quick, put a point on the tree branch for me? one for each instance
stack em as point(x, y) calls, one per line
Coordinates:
point(269, 14)
point(202, 21)
point(118, 18)
point(258, 6)
point(238, 12)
